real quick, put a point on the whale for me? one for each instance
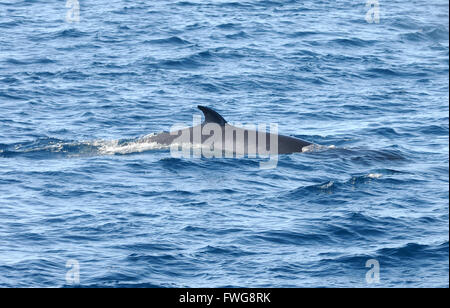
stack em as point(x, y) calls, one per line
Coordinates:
point(216, 137)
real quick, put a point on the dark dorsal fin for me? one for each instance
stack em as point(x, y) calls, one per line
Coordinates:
point(211, 116)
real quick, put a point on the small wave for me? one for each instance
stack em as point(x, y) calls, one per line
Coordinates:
point(430, 34)
point(367, 157)
point(226, 250)
point(72, 75)
point(303, 34)
point(190, 62)
point(203, 58)
point(61, 34)
point(228, 26)
point(186, 3)
point(238, 35)
point(326, 187)
point(382, 72)
point(414, 251)
point(292, 238)
point(385, 132)
point(71, 33)
point(173, 40)
point(10, 24)
point(404, 22)
point(333, 186)
point(234, 4)
point(9, 80)
point(353, 42)
point(398, 255)
point(30, 61)
point(435, 130)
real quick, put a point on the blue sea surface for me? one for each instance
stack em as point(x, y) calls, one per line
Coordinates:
point(79, 182)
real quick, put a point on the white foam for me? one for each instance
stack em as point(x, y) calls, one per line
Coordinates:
point(317, 147)
point(114, 147)
point(374, 175)
point(327, 185)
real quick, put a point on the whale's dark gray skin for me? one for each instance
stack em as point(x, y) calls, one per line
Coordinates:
point(216, 131)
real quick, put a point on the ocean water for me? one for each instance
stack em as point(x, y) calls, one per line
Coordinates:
point(82, 191)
